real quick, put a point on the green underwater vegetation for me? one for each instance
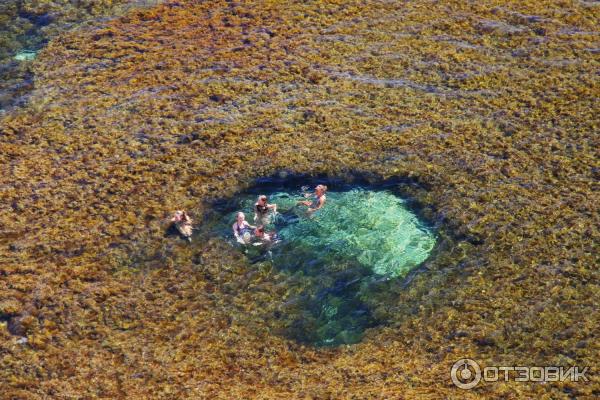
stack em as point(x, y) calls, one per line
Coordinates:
point(484, 114)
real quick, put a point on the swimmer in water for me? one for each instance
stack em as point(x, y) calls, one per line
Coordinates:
point(318, 200)
point(264, 237)
point(265, 240)
point(183, 223)
point(242, 230)
point(261, 210)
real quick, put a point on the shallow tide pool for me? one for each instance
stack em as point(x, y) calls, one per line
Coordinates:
point(334, 258)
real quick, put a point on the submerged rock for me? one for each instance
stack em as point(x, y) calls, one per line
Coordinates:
point(26, 55)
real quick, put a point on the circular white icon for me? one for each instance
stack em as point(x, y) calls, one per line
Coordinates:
point(465, 374)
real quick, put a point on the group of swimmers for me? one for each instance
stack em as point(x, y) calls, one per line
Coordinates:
point(245, 233)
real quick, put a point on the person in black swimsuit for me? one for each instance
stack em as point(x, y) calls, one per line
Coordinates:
point(261, 210)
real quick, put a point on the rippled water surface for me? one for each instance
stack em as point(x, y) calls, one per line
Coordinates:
point(358, 239)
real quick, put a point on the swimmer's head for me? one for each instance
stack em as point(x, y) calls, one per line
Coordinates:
point(321, 189)
point(262, 199)
point(178, 215)
point(240, 216)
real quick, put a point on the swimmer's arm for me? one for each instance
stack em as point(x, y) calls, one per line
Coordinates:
point(272, 207)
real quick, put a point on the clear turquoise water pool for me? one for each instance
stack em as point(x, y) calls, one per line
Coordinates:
point(339, 253)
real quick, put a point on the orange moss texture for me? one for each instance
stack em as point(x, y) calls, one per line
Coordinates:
point(491, 106)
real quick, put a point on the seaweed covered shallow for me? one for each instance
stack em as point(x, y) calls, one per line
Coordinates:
point(337, 256)
point(26, 26)
point(490, 108)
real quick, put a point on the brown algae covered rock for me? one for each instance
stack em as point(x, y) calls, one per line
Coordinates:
point(489, 110)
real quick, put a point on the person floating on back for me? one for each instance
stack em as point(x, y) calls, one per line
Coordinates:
point(318, 201)
point(183, 223)
point(261, 210)
point(242, 230)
